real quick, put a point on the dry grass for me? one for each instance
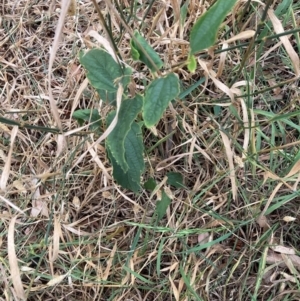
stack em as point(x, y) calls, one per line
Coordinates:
point(69, 233)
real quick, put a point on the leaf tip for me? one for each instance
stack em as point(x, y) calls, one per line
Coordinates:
point(192, 63)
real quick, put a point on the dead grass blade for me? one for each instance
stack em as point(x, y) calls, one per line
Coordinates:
point(296, 183)
point(56, 237)
point(58, 31)
point(247, 34)
point(295, 169)
point(110, 262)
point(271, 175)
point(261, 220)
point(174, 289)
point(176, 9)
point(190, 159)
point(38, 205)
point(56, 280)
point(230, 156)
point(291, 261)
point(211, 74)
point(98, 161)
point(283, 250)
point(75, 231)
point(13, 260)
point(267, 53)
point(76, 100)
point(289, 277)
point(64, 10)
point(222, 60)
point(6, 169)
point(285, 41)
point(245, 117)
point(155, 21)
point(104, 42)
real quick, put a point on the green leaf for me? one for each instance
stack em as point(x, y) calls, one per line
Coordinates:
point(204, 32)
point(157, 97)
point(103, 72)
point(192, 63)
point(134, 149)
point(150, 184)
point(175, 179)
point(134, 52)
point(116, 139)
point(162, 206)
point(108, 97)
point(139, 46)
point(89, 115)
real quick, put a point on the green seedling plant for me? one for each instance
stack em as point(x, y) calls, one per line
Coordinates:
point(124, 144)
